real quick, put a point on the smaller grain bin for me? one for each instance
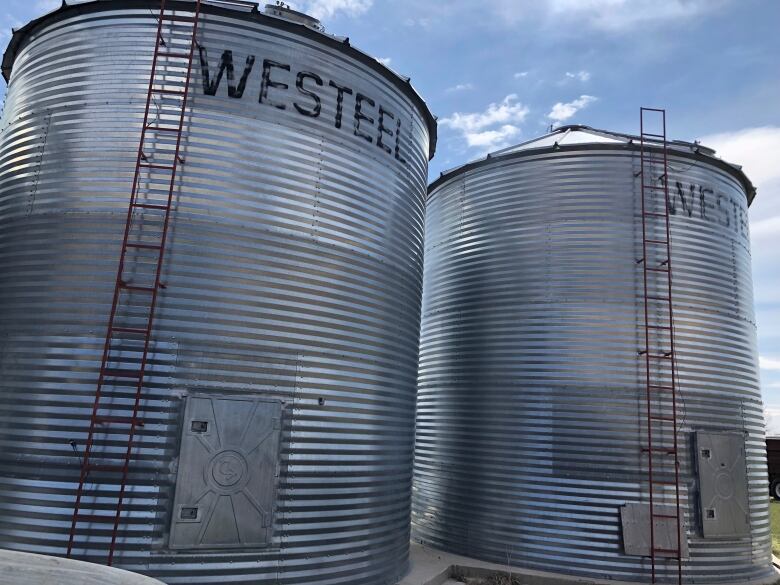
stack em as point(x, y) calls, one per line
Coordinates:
point(531, 413)
point(279, 392)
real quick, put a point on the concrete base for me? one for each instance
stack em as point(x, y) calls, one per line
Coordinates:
point(18, 568)
point(429, 566)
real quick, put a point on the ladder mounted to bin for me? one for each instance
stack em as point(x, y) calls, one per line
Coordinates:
point(662, 449)
point(115, 412)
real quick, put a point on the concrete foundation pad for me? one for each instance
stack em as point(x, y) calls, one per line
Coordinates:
point(18, 568)
point(429, 566)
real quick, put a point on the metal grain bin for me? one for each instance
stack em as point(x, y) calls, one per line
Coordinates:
point(289, 320)
point(531, 390)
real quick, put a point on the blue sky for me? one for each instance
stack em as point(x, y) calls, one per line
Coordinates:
point(498, 72)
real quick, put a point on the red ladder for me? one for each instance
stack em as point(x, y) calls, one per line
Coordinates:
point(126, 347)
point(659, 352)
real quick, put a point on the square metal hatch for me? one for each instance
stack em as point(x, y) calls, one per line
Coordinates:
point(723, 487)
point(226, 481)
point(635, 522)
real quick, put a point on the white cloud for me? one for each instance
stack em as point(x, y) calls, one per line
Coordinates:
point(421, 22)
point(321, 9)
point(385, 61)
point(580, 75)
point(619, 15)
point(563, 111)
point(768, 363)
point(489, 140)
point(755, 149)
point(460, 87)
point(492, 128)
point(521, 74)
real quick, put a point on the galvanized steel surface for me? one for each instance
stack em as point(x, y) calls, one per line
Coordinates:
point(293, 272)
point(530, 416)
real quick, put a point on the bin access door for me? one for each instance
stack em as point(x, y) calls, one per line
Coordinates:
point(226, 481)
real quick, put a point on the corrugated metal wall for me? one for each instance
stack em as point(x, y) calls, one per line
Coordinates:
point(530, 417)
point(293, 270)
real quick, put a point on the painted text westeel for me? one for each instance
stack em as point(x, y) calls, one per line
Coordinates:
point(293, 270)
point(530, 417)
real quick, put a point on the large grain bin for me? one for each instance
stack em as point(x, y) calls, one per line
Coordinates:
point(278, 404)
point(531, 416)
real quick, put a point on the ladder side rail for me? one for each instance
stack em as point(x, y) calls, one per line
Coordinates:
point(158, 271)
point(646, 161)
point(673, 352)
point(115, 300)
point(647, 340)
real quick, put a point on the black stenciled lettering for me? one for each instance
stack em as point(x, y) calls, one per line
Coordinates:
point(359, 115)
point(225, 66)
point(313, 113)
point(398, 156)
point(340, 91)
point(739, 218)
point(382, 129)
point(687, 204)
point(267, 82)
point(724, 217)
point(703, 201)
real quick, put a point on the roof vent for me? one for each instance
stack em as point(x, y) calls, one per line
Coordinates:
point(282, 10)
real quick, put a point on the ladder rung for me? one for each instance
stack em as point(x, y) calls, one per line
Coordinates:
point(654, 135)
point(663, 418)
point(138, 330)
point(146, 289)
point(115, 373)
point(657, 387)
point(664, 242)
point(657, 269)
point(174, 18)
point(665, 516)
point(664, 482)
point(658, 187)
point(659, 357)
point(168, 91)
point(665, 327)
point(654, 298)
point(95, 518)
point(164, 129)
point(665, 450)
point(144, 246)
point(157, 166)
point(150, 206)
point(119, 420)
point(671, 551)
point(173, 55)
point(654, 214)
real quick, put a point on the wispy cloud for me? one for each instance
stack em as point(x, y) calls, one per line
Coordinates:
point(328, 8)
point(623, 15)
point(579, 75)
point(754, 148)
point(493, 128)
point(563, 111)
point(460, 87)
point(521, 74)
point(767, 363)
